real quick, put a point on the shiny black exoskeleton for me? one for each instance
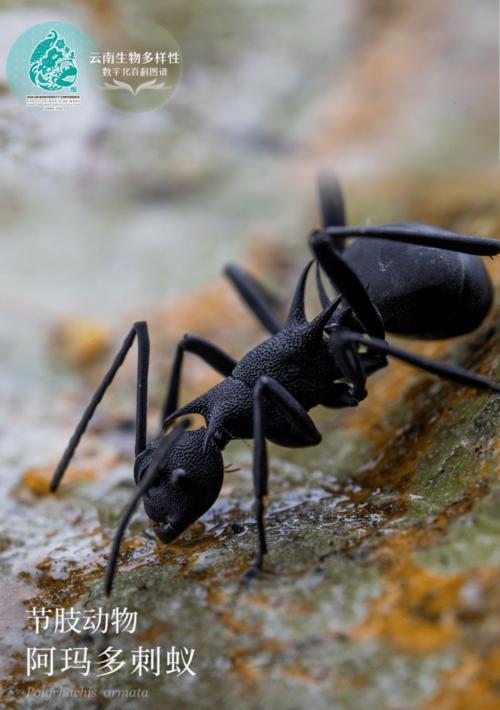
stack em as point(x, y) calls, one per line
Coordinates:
point(408, 279)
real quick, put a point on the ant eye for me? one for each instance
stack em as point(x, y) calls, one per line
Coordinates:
point(179, 477)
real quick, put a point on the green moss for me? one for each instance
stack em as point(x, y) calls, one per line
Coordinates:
point(452, 469)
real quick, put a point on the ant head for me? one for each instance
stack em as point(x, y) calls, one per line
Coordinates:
point(186, 484)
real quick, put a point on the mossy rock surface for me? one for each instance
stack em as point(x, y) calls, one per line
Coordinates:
point(381, 586)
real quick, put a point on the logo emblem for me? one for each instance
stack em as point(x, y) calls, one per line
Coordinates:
point(52, 64)
point(45, 64)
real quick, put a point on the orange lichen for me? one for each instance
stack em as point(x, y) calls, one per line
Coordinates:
point(414, 613)
point(268, 254)
point(79, 342)
point(388, 388)
point(219, 601)
point(38, 478)
point(159, 629)
point(474, 683)
point(247, 672)
point(201, 311)
point(422, 612)
point(299, 674)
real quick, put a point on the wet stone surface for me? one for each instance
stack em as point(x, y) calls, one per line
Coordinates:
point(380, 584)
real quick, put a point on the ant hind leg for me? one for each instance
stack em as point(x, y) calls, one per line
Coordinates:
point(441, 369)
point(254, 297)
point(419, 234)
point(331, 205)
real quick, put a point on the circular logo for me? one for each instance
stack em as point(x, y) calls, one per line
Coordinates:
point(48, 65)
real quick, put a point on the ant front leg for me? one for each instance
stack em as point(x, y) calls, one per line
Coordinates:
point(139, 330)
point(355, 366)
point(303, 428)
point(204, 349)
point(348, 360)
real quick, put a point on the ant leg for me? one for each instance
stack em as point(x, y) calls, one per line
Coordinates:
point(306, 435)
point(349, 361)
point(448, 371)
point(208, 352)
point(323, 296)
point(253, 295)
point(373, 362)
point(354, 366)
point(331, 205)
point(332, 213)
point(347, 284)
point(419, 234)
point(341, 394)
point(140, 330)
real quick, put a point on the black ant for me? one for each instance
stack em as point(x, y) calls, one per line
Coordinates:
point(408, 279)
